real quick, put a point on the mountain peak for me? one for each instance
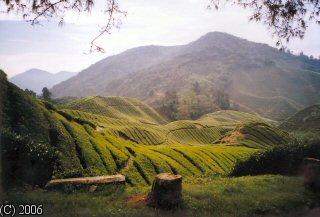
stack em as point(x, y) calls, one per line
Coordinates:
point(220, 40)
point(35, 79)
point(34, 71)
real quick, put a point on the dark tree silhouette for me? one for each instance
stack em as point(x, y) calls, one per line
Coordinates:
point(196, 88)
point(169, 105)
point(285, 18)
point(46, 95)
point(222, 99)
point(30, 92)
point(34, 10)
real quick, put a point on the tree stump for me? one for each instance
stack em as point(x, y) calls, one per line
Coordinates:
point(311, 173)
point(166, 191)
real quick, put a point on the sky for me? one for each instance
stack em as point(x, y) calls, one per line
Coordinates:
point(166, 22)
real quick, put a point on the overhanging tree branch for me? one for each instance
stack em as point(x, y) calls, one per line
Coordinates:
point(285, 18)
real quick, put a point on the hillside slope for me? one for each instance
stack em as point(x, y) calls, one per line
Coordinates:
point(36, 79)
point(306, 120)
point(41, 142)
point(118, 107)
point(258, 78)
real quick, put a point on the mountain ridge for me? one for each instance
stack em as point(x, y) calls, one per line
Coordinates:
point(35, 79)
point(247, 71)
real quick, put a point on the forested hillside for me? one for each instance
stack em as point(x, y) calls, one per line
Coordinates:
point(254, 77)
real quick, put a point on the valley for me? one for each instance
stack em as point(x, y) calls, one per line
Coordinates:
point(160, 108)
point(228, 150)
point(98, 135)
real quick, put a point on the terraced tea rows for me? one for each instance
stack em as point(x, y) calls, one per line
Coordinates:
point(210, 129)
point(105, 144)
point(99, 154)
point(118, 107)
point(99, 136)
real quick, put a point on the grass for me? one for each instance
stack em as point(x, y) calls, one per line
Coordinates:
point(210, 196)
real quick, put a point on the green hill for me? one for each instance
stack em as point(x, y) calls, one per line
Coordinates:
point(118, 107)
point(306, 120)
point(98, 136)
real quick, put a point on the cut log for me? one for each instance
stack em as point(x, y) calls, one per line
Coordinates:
point(86, 182)
point(311, 173)
point(166, 191)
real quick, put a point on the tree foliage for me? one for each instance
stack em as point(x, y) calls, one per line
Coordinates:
point(46, 95)
point(285, 18)
point(169, 105)
point(194, 102)
point(281, 159)
point(221, 99)
point(34, 10)
point(30, 92)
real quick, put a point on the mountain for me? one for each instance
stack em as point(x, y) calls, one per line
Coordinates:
point(259, 79)
point(306, 120)
point(108, 135)
point(36, 79)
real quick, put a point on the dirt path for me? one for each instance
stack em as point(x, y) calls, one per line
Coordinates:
point(129, 163)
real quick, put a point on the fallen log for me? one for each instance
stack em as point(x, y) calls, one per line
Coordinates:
point(166, 191)
point(90, 183)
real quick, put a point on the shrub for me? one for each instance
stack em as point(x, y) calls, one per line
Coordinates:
point(49, 106)
point(25, 160)
point(284, 159)
point(68, 116)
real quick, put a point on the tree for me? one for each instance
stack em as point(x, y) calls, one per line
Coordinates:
point(30, 92)
point(196, 88)
point(34, 10)
point(46, 95)
point(285, 18)
point(169, 105)
point(222, 99)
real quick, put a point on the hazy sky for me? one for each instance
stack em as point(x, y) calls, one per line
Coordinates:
point(165, 22)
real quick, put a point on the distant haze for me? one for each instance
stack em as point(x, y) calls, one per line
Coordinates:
point(259, 78)
point(36, 79)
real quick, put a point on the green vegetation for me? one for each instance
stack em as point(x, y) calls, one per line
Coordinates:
point(287, 159)
point(306, 120)
point(117, 107)
point(109, 135)
point(221, 197)
point(98, 135)
point(193, 102)
point(278, 160)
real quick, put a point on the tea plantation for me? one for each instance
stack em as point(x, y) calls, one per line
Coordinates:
point(109, 135)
